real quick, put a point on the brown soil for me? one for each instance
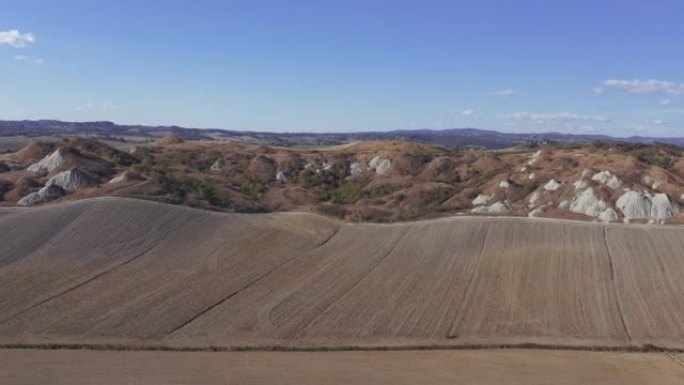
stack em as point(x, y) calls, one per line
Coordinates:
point(124, 270)
point(24, 367)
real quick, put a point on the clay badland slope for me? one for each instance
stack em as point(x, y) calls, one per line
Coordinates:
point(361, 182)
point(126, 270)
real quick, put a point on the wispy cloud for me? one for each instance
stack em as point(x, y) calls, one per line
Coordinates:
point(651, 86)
point(665, 102)
point(560, 117)
point(438, 124)
point(16, 39)
point(28, 59)
point(502, 93)
point(105, 105)
point(468, 113)
point(108, 105)
point(656, 122)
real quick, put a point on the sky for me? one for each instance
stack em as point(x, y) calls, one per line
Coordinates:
point(585, 67)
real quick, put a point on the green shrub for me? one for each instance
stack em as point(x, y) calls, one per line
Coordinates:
point(530, 186)
point(349, 192)
point(253, 189)
point(333, 210)
point(208, 193)
point(655, 160)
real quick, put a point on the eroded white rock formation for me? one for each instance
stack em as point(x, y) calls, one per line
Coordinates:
point(380, 164)
point(535, 213)
point(607, 178)
point(50, 163)
point(281, 176)
point(608, 215)
point(580, 184)
point(534, 158)
point(216, 166)
point(481, 199)
point(643, 205)
point(552, 185)
point(588, 203)
point(356, 168)
point(44, 194)
point(70, 180)
point(495, 208)
point(534, 197)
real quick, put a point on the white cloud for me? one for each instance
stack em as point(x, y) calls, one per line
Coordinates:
point(665, 102)
point(85, 106)
point(438, 124)
point(108, 105)
point(502, 93)
point(656, 122)
point(28, 59)
point(468, 113)
point(561, 117)
point(105, 105)
point(650, 86)
point(15, 38)
point(598, 90)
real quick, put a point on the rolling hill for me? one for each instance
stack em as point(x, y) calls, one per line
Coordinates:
point(114, 270)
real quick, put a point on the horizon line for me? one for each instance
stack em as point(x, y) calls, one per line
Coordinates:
point(365, 131)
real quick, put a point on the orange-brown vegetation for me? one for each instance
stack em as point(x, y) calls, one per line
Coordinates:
point(366, 181)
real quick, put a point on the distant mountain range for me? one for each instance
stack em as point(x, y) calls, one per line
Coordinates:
point(452, 138)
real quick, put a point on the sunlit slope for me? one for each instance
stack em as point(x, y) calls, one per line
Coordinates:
point(649, 268)
point(134, 270)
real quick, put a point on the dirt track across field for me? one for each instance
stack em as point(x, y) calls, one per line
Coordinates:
point(29, 367)
point(128, 271)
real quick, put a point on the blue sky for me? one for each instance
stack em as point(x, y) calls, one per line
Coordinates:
point(580, 66)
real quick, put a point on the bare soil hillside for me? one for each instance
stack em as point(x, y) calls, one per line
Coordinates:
point(131, 271)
